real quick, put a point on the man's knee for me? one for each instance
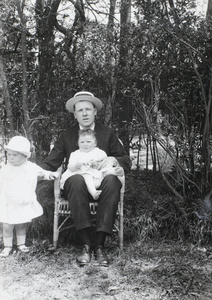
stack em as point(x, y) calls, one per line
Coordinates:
point(75, 182)
point(111, 182)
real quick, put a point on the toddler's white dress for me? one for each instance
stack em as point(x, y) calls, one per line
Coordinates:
point(18, 201)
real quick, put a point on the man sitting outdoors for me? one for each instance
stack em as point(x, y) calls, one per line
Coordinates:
point(85, 106)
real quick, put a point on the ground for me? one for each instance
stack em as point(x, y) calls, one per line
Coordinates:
point(150, 269)
point(145, 270)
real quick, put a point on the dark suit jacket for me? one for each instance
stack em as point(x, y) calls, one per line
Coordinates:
point(67, 143)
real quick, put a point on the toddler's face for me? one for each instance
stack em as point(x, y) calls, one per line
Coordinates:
point(86, 143)
point(15, 158)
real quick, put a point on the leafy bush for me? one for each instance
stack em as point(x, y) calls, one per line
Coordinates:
point(42, 227)
point(151, 211)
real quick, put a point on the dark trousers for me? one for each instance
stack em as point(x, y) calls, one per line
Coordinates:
point(79, 198)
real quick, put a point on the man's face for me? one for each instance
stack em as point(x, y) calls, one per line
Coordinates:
point(85, 113)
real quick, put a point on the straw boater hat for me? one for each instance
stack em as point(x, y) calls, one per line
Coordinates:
point(19, 144)
point(83, 96)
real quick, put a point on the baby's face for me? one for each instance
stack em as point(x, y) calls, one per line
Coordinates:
point(15, 158)
point(86, 143)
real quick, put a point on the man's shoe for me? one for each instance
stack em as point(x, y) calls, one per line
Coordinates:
point(85, 257)
point(101, 257)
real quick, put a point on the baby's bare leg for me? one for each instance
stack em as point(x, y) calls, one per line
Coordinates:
point(91, 186)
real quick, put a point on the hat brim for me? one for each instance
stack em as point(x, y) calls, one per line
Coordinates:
point(71, 102)
point(27, 154)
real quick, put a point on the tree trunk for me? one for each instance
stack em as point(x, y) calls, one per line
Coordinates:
point(46, 20)
point(26, 118)
point(111, 61)
point(5, 90)
point(6, 96)
point(209, 10)
point(111, 13)
point(124, 100)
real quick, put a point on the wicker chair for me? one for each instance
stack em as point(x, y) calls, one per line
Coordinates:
point(62, 213)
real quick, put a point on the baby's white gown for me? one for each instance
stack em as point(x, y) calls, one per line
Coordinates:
point(85, 157)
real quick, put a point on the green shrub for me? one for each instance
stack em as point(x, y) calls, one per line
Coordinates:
point(151, 212)
point(42, 227)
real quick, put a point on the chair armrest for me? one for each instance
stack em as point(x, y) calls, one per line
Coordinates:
point(57, 184)
point(122, 179)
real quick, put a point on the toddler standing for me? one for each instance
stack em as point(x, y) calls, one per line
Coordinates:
point(18, 201)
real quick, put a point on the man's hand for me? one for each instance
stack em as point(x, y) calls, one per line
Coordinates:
point(109, 161)
point(54, 175)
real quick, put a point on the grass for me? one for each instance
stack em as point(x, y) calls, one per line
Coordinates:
point(156, 269)
point(167, 252)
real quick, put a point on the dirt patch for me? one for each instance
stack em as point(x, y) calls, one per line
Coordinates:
point(147, 270)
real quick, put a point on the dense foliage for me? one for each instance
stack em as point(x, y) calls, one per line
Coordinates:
point(153, 75)
point(151, 213)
